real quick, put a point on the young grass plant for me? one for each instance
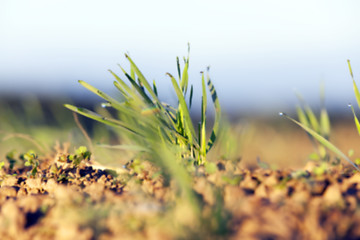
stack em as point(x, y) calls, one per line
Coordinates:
point(141, 112)
point(321, 137)
point(320, 125)
point(165, 134)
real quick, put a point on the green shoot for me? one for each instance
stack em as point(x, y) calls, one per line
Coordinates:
point(320, 125)
point(326, 143)
point(321, 133)
point(31, 160)
point(80, 155)
point(141, 112)
point(163, 134)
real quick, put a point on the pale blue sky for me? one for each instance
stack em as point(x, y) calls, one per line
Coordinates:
point(258, 50)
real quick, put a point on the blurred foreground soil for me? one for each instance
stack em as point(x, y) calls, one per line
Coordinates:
point(63, 201)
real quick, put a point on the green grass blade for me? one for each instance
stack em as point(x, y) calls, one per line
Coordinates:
point(357, 123)
point(325, 123)
point(122, 107)
point(127, 92)
point(178, 67)
point(155, 88)
point(142, 79)
point(302, 116)
point(202, 129)
point(189, 127)
point(309, 114)
point(139, 89)
point(185, 78)
point(191, 95)
point(350, 69)
point(325, 127)
point(123, 93)
point(123, 85)
point(356, 90)
point(322, 140)
point(132, 72)
point(101, 94)
point(216, 102)
point(312, 119)
point(99, 118)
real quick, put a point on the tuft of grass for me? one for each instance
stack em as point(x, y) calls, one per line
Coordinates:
point(159, 132)
point(320, 124)
point(143, 118)
point(320, 134)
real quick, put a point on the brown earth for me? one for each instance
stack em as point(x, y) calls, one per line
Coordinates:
point(64, 201)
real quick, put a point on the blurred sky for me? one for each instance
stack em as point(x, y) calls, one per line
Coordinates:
point(259, 50)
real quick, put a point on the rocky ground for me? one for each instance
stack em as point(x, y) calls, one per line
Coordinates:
point(64, 199)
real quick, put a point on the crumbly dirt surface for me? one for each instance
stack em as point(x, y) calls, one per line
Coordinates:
point(64, 201)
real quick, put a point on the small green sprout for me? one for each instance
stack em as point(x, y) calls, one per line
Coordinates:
point(80, 155)
point(10, 157)
point(322, 139)
point(31, 160)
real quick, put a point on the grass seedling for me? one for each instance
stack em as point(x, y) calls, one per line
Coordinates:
point(141, 113)
point(163, 133)
point(81, 154)
point(320, 125)
point(322, 139)
point(31, 160)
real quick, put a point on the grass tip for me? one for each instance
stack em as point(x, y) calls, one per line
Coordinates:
point(349, 105)
point(282, 114)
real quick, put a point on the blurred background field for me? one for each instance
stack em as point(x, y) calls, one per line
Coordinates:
point(40, 124)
